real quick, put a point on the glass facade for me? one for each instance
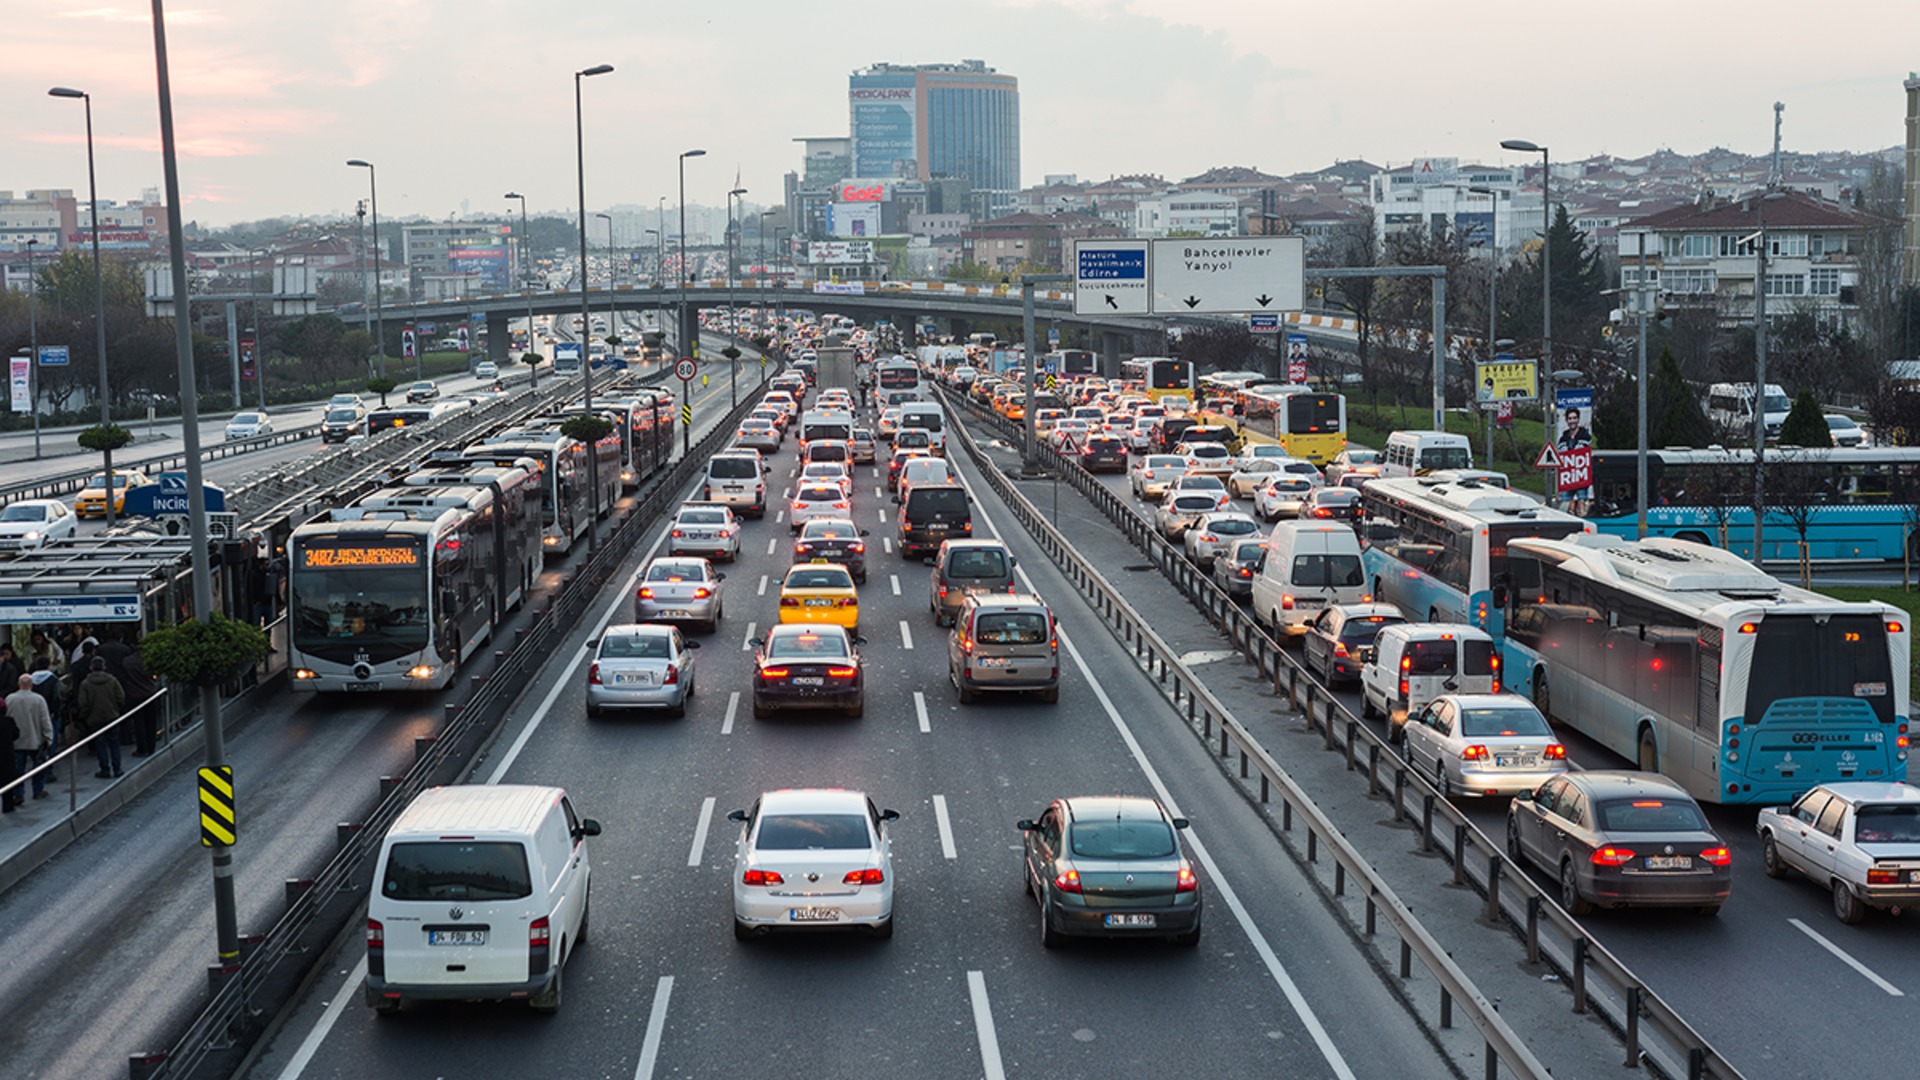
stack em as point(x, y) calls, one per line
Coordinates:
point(938, 121)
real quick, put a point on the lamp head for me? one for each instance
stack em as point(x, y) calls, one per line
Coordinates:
point(358, 164)
point(693, 153)
point(1521, 145)
point(67, 92)
point(737, 191)
point(513, 195)
point(597, 69)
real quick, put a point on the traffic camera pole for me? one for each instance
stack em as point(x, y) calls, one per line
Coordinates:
point(1030, 459)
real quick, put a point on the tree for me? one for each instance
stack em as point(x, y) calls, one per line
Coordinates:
point(382, 386)
point(1580, 304)
point(1221, 348)
point(1895, 412)
point(1674, 416)
point(204, 653)
point(1805, 424)
point(104, 439)
point(1798, 483)
point(588, 428)
point(1357, 244)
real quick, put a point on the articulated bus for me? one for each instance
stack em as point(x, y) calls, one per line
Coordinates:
point(1859, 502)
point(1308, 423)
point(1449, 551)
point(565, 509)
point(447, 481)
point(643, 427)
point(1159, 376)
point(1691, 662)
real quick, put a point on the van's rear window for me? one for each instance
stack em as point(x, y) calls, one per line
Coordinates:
point(457, 870)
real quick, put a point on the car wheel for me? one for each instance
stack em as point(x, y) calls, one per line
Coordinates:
point(1440, 778)
point(1051, 695)
point(1367, 711)
point(855, 712)
point(586, 916)
point(1049, 937)
point(882, 931)
point(1770, 860)
point(1649, 752)
point(593, 711)
point(743, 932)
point(1514, 851)
point(761, 712)
point(965, 692)
point(549, 1002)
point(1707, 911)
point(1846, 906)
point(386, 1007)
point(1542, 692)
point(1189, 939)
point(1570, 897)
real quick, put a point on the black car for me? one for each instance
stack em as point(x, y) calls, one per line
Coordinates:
point(808, 666)
point(1104, 453)
point(1332, 504)
point(931, 515)
point(423, 391)
point(1339, 640)
point(833, 540)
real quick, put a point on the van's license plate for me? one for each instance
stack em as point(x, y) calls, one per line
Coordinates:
point(456, 937)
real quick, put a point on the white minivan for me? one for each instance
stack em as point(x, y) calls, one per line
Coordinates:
point(1417, 453)
point(1413, 663)
point(930, 417)
point(480, 893)
point(1307, 566)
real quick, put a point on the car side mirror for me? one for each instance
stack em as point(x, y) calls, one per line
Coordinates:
point(1012, 561)
point(1523, 796)
point(588, 827)
point(737, 815)
point(691, 644)
point(896, 500)
point(756, 642)
point(1024, 825)
point(720, 575)
point(864, 532)
point(889, 815)
point(592, 643)
point(1181, 823)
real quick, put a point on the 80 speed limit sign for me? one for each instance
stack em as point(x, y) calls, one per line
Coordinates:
point(685, 369)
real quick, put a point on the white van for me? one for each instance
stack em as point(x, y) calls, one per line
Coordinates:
point(1417, 453)
point(1730, 406)
point(834, 425)
point(737, 477)
point(1307, 566)
point(480, 892)
point(930, 417)
point(1413, 663)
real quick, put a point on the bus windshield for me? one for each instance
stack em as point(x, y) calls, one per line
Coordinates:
point(1168, 375)
point(354, 598)
point(1799, 656)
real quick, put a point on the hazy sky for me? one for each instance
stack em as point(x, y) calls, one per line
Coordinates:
point(457, 102)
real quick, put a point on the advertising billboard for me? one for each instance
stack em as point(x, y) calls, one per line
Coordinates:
point(882, 111)
point(1573, 438)
point(839, 253)
point(855, 220)
point(1505, 379)
point(488, 258)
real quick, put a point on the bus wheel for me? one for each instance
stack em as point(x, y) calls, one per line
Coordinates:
point(1694, 538)
point(1542, 693)
point(1649, 751)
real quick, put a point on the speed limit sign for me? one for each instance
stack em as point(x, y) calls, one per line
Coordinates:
point(685, 369)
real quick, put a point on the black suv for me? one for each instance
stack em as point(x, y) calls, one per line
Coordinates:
point(931, 515)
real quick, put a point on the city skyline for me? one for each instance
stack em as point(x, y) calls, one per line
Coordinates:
point(272, 102)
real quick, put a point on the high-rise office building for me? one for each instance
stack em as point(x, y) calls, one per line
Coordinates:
point(938, 121)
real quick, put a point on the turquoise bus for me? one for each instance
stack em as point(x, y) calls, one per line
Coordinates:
point(1690, 661)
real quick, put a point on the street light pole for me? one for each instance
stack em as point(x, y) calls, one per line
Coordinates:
point(253, 316)
point(734, 225)
point(526, 282)
point(379, 310)
point(687, 348)
point(33, 347)
point(1546, 281)
point(613, 271)
point(99, 282)
point(1760, 379)
point(586, 365)
point(1029, 458)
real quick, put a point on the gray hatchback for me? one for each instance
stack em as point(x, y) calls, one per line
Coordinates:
point(1111, 866)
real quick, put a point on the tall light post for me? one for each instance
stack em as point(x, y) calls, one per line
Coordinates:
point(765, 312)
point(735, 211)
point(1546, 278)
point(379, 311)
point(586, 366)
point(526, 282)
point(33, 346)
point(99, 283)
point(1760, 373)
point(253, 314)
point(366, 302)
point(1493, 291)
point(613, 275)
point(687, 348)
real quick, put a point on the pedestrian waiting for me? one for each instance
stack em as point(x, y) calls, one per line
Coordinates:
point(29, 711)
point(97, 703)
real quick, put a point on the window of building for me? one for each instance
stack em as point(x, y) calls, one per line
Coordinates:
point(1690, 281)
point(1817, 245)
point(1698, 247)
point(1732, 246)
point(1788, 245)
point(1786, 284)
point(1824, 281)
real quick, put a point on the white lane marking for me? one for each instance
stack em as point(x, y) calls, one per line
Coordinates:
point(906, 635)
point(733, 706)
point(772, 542)
point(779, 518)
point(656, 1020)
point(746, 642)
point(883, 515)
point(894, 580)
point(920, 710)
point(700, 831)
point(876, 491)
point(1278, 971)
point(946, 827)
point(762, 591)
point(887, 542)
point(1847, 960)
point(310, 1045)
point(983, 1024)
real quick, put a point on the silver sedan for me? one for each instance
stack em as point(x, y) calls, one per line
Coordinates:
point(1484, 744)
point(705, 529)
point(679, 589)
point(640, 666)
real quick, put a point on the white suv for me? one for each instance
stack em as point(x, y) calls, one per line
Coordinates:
point(737, 478)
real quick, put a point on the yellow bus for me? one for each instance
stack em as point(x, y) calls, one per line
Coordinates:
point(1160, 376)
point(1310, 424)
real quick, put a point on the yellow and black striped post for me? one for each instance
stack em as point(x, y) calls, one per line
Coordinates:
point(686, 414)
point(218, 824)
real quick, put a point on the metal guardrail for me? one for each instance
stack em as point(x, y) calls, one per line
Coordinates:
point(273, 967)
point(49, 487)
point(1653, 1033)
point(1213, 720)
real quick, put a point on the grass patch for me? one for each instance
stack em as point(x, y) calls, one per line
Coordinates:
point(1904, 599)
point(1514, 452)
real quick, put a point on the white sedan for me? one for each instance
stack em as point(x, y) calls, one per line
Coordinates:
point(1250, 474)
point(31, 523)
point(823, 499)
point(1206, 458)
point(829, 472)
point(813, 858)
point(1282, 497)
point(1214, 533)
point(708, 529)
point(248, 425)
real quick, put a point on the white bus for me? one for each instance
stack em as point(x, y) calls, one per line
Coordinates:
point(1691, 662)
point(1449, 548)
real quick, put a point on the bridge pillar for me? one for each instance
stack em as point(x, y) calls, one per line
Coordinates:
point(960, 330)
point(500, 338)
point(1109, 343)
point(687, 340)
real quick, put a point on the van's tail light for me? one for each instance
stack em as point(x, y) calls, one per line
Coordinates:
point(1720, 856)
point(1186, 881)
point(1612, 856)
point(540, 933)
point(1554, 752)
point(593, 673)
point(869, 876)
point(1068, 881)
point(673, 675)
point(1286, 602)
point(762, 877)
point(1476, 752)
point(376, 934)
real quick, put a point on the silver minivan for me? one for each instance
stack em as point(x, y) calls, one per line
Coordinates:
point(1414, 663)
point(1005, 643)
point(480, 893)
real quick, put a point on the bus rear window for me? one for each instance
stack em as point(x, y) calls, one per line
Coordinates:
point(1845, 657)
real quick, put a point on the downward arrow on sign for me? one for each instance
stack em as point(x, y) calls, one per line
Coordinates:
point(1263, 299)
point(1191, 301)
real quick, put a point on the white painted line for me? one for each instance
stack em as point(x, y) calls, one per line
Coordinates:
point(1275, 969)
point(310, 1045)
point(906, 635)
point(779, 518)
point(946, 827)
point(733, 706)
point(983, 1024)
point(894, 580)
point(887, 542)
point(746, 642)
point(762, 591)
point(772, 542)
point(920, 710)
point(700, 831)
point(1847, 960)
point(883, 515)
point(656, 1020)
point(877, 493)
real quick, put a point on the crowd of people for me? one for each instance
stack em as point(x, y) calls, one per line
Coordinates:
point(63, 685)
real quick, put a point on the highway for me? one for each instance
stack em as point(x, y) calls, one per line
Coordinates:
point(964, 986)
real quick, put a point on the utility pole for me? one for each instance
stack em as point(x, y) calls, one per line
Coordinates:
point(1030, 458)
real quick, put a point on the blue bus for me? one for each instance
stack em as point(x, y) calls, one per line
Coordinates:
point(1448, 545)
point(1691, 662)
point(1858, 501)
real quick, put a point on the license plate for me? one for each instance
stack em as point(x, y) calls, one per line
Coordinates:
point(1669, 862)
point(638, 678)
point(937, 526)
point(363, 686)
point(456, 937)
point(809, 680)
point(1134, 922)
point(819, 602)
point(1514, 761)
point(676, 613)
point(813, 914)
point(991, 661)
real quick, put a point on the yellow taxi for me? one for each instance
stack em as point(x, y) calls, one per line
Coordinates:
point(820, 593)
point(92, 500)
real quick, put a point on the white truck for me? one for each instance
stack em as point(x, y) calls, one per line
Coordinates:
point(836, 367)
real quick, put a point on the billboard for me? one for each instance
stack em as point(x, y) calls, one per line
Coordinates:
point(113, 239)
point(1473, 227)
point(1573, 438)
point(838, 253)
point(882, 110)
point(488, 258)
point(19, 374)
point(1505, 379)
point(855, 220)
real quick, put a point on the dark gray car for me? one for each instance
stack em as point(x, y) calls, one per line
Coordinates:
point(1111, 866)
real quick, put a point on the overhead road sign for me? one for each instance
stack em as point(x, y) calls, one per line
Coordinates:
point(1111, 277)
point(53, 356)
point(76, 607)
point(1263, 322)
point(1230, 275)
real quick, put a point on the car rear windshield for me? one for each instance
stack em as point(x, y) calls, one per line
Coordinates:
point(813, 832)
point(1366, 628)
point(1193, 503)
point(1432, 657)
point(1887, 824)
point(1122, 839)
point(938, 501)
point(703, 517)
point(1010, 627)
point(1336, 497)
point(457, 870)
point(820, 494)
point(977, 563)
point(676, 571)
point(1233, 527)
point(827, 452)
point(928, 421)
point(1651, 815)
point(828, 530)
point(636, 647)
point(826, 577)
point(1479, 656)
point(1324, 571)
point(1486, 723)
point(732, 468)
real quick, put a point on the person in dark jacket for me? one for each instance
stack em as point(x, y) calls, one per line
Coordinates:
point(9, 731)
point(123, 663)
point(10, 669)
point(99, 701)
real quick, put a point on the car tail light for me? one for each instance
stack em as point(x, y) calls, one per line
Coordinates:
point(1404, 690)
point(762, 877)
point(802, 547)
point(870, 876)
point(842, 672)
point(593, 673)
point(1612, 856)
point(1554, 752)
point(841, 505)
point(646, 594)
point(673, 675)
point(773, 673)
point(1286, 602)
point(702, 594)
point(676, 533)
point(1321, 512)
point(1068, 881)
point(376, 934)
point(540, 933)
point(798, 506)
point(1186, 882)
point(1476, 752)
point(858, 548)
point(788, 601)
point(1720, 856)
point(1208, 538)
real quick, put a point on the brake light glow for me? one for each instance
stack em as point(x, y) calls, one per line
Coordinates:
point(1612, 856)
point(1878, 876)
point(1718, 856)
point(1554, 752)
point(1186, 882)
point(540, 933)
point(1894, 627)
point(702, 594)
point(773, 673)
point(762, 877)
point(842, 672)
point(1748, 628)
point(870, 876)
point(1476, 752)
point(646, 594)
point(1286, 602)
point(1340, 648)
point(1068, 881)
